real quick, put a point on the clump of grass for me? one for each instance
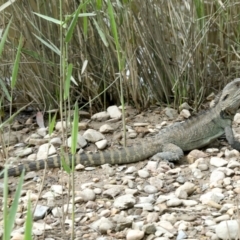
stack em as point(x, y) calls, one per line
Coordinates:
point(170, 51)
point(174, 50)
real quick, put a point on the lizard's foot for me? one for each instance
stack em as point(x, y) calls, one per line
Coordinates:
point(158, 158)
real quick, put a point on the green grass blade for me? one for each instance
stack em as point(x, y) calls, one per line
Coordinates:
point(52, 123)
point(13, 209)
point(49, 45)
point(4, 89)
point(115, 33)
point(74, 21)
point(72, 25)
point(113, 24)
point(6, 4)
point(99, 4)
point(101, 33)
point(65, 165)
point(7, 231)
point(4, 37)
point(74, 131)
point(85, 23)
point(28, 225)
point(16, 64)
point(68, 81)
point(37, 56)
point(50, 19)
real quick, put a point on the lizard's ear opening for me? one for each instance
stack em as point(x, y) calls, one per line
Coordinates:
point(225, 97)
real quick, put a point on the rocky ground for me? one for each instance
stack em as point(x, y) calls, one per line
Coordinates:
point(196, 199)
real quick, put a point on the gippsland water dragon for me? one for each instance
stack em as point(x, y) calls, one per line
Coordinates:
point(169, 144)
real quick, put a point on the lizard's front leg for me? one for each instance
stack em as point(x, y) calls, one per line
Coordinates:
point(170, 153)
point(231, 139)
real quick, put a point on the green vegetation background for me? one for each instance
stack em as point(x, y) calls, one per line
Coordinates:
point(166, 51)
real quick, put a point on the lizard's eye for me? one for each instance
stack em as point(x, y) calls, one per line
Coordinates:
point(225, 97)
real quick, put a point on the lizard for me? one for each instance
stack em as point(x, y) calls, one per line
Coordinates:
point(169, 144)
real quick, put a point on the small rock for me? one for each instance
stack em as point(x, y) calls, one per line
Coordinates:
point(211, 196)
point(222, 218)
point(81, 141)
point(149, 228)
point(189, 203)
point(231, 153)
point(42, 131)
point(181, 235)
point(181, 194)
point(30, 175)
point(57, 212)
point(157, 182)
point(135, 235)
point(82, 126)
point(131, 170)
point(184, 105)
point(216, 175)
point(203, 167)
point(112, 192)
point(237, 118)
point(185, 113)
point(150, 189)
point(124, 201)
point(106, 129)
point(9, 138)
point(92, 135)
point(56, 141)
point(228, 229)
point(45, 150)
point(114, 112)
point(152, 166)
point(36, 141)
point(174, 202)
point(233, 164)
point(101, 144)
point(17, 236)
point(145, 206)
point(41, 226)
point(40, 212)
point(103, 225)
point(23, 152)
point(195, 154)
point(197, 173)
point(88, 195)
point(226, 171)
point(218, 162)
point(132, 135)
point(212, 150)
point(60, 126)
point(143, 173)
point(68, 208)
point(58, 189)
point(188, 187)
point(152, 217)
point(170, 113)
point(101, 116)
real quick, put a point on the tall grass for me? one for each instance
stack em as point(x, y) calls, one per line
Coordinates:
point(172, 50)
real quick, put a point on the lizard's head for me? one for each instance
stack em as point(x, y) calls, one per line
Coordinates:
point(230, 97)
